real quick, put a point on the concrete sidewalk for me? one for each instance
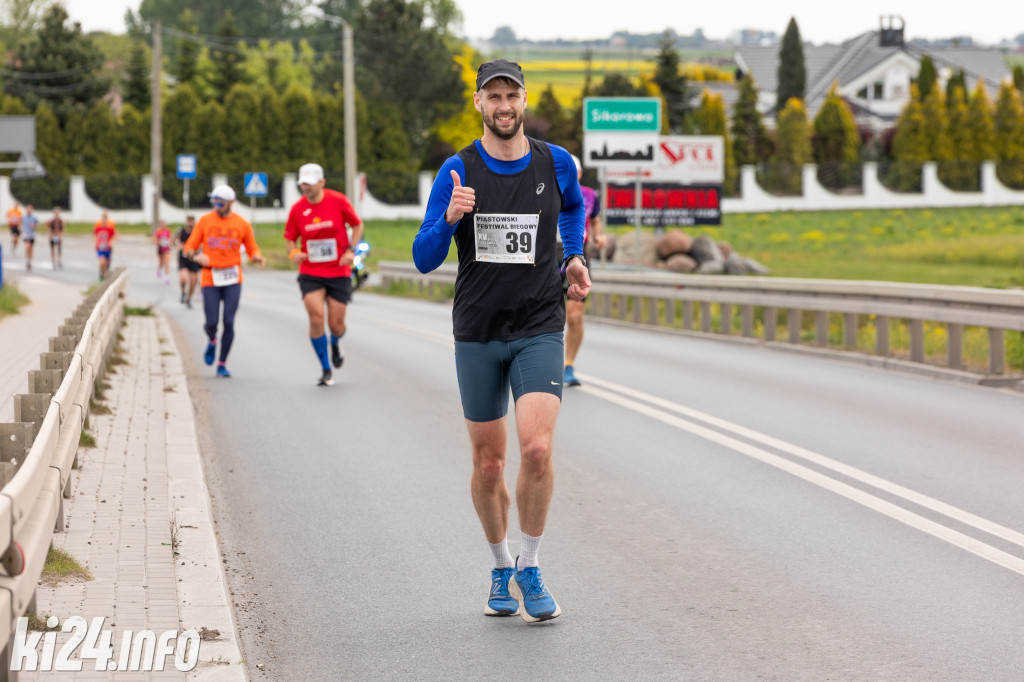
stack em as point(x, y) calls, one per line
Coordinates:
point(139, 517)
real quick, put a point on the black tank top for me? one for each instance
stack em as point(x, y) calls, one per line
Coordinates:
point(506, 301)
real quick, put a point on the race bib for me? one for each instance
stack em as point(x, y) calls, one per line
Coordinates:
point(506, 237)
point(322, 250)
point(165, 242)
point(223, 277)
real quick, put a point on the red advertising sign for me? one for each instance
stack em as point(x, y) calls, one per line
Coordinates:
point(665, 204)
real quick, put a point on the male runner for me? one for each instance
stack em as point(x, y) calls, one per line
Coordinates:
point(220, 234)
point(106, 233)
point(320, 220)
point(502, 199)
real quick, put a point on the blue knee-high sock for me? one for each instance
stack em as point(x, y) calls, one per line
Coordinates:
point(320, 346)
point(334, 339)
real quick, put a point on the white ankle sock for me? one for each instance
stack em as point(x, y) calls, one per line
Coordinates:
point(500, 556)
point(528, 548)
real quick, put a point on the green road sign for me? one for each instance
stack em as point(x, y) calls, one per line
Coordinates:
point(622, 114)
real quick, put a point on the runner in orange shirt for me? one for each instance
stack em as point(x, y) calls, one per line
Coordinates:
point(220, 234)
point(106, 233)
point(14, 224)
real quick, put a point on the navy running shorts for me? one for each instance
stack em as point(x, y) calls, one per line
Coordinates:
point(338, 288)
point(487, 371)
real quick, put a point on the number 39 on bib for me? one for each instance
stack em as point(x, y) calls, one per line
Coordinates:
point(506, 237)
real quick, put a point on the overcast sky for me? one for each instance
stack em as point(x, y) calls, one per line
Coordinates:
point(987, 21)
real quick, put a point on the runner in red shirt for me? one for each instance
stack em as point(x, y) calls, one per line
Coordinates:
point(105, 232)
point(318, 241)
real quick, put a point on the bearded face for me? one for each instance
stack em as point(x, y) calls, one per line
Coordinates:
point(503, 107)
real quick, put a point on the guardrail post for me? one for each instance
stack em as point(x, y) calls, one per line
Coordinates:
point(996, 351)
point(638, 309)
point(606, 305)
point(747, 321)
point(916, 340)
point(882, 335)
point(44, 380)
point(705, 316)
point(725, 319)
point(955, 346)
point(652, 310)
point(15, 441)
point(794, 324)
point(59, 360)
point(821, 328)
point(31, 408)
point(62, 344)
point(771, 323)
point(850, 330)
point(670, 312)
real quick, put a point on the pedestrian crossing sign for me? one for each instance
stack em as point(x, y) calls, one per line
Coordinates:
point(256, 185)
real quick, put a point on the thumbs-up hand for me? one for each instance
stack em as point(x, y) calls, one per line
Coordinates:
point(462, 201)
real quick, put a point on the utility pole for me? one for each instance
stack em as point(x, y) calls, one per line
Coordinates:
point(155, 132)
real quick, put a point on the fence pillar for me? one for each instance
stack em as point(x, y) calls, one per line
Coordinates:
point(821, 328)
point(955, 346)
point(725, 319)
point(748, 321)
point(881, 335)
point(916, 340)
point(850, 330)
point(795, 324)
point(31, 408)
point(44, 380)
point(771, 323)
point(705, 317)
point(996, 351)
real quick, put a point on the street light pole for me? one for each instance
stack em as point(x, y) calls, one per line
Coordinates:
point(350, 112)
point(349, 84)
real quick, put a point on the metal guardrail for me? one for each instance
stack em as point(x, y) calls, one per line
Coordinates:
point(651, 298)
point(38, 449)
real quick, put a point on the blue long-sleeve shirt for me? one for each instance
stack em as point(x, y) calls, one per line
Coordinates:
point(430, 248)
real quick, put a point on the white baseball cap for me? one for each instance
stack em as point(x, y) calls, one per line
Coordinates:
point(310, 174)
point(222, 192)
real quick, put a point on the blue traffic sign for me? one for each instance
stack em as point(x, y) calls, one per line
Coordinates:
point(187, 166)
point(256, 185)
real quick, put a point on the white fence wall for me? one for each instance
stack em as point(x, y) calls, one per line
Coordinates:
point(754, 199)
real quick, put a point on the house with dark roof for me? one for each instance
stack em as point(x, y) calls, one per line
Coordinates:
point(873, 70)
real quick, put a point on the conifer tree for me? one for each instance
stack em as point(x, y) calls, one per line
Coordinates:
point(330, 112)
point(186, 62)
point(981, 125)
point(301, 127)
point(210, 122)
point(227, 58)
point(137, 84)
point(1018, 77)
point(750, 142)
point(273, 145)
point(962, 171)
point(133, 140)
point(242, 135)
point(51, 145)
point(792, 148)
point(909, 146)
point(957, 80)
point(1009, 126)
point(181, 111)
point(676, 93)
point(99, 154)
point(710, 118)
point(791, 74)
point(836, 142)
point(926, 78)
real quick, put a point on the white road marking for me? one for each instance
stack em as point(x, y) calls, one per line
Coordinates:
point(861, 497)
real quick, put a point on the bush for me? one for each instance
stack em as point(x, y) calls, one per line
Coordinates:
point(393, 187)
point(115, 191)
point(44, 193)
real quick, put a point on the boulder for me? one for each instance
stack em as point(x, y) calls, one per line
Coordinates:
point(735, 264)
point(705, 250)
point(680, 262)
point(711, 267)
point(626, 252)
point(673, 242)
point(755, 268)
point(726, 249)
point(594, 254)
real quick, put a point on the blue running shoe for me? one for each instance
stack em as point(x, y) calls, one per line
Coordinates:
point(569, 377)
point(528, 589)
point(500, 602)
point(211, 353)
point(222, 371)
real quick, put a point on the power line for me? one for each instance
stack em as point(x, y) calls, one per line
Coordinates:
point(48, 75)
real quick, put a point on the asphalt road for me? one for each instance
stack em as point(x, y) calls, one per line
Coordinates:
point(720, 512)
